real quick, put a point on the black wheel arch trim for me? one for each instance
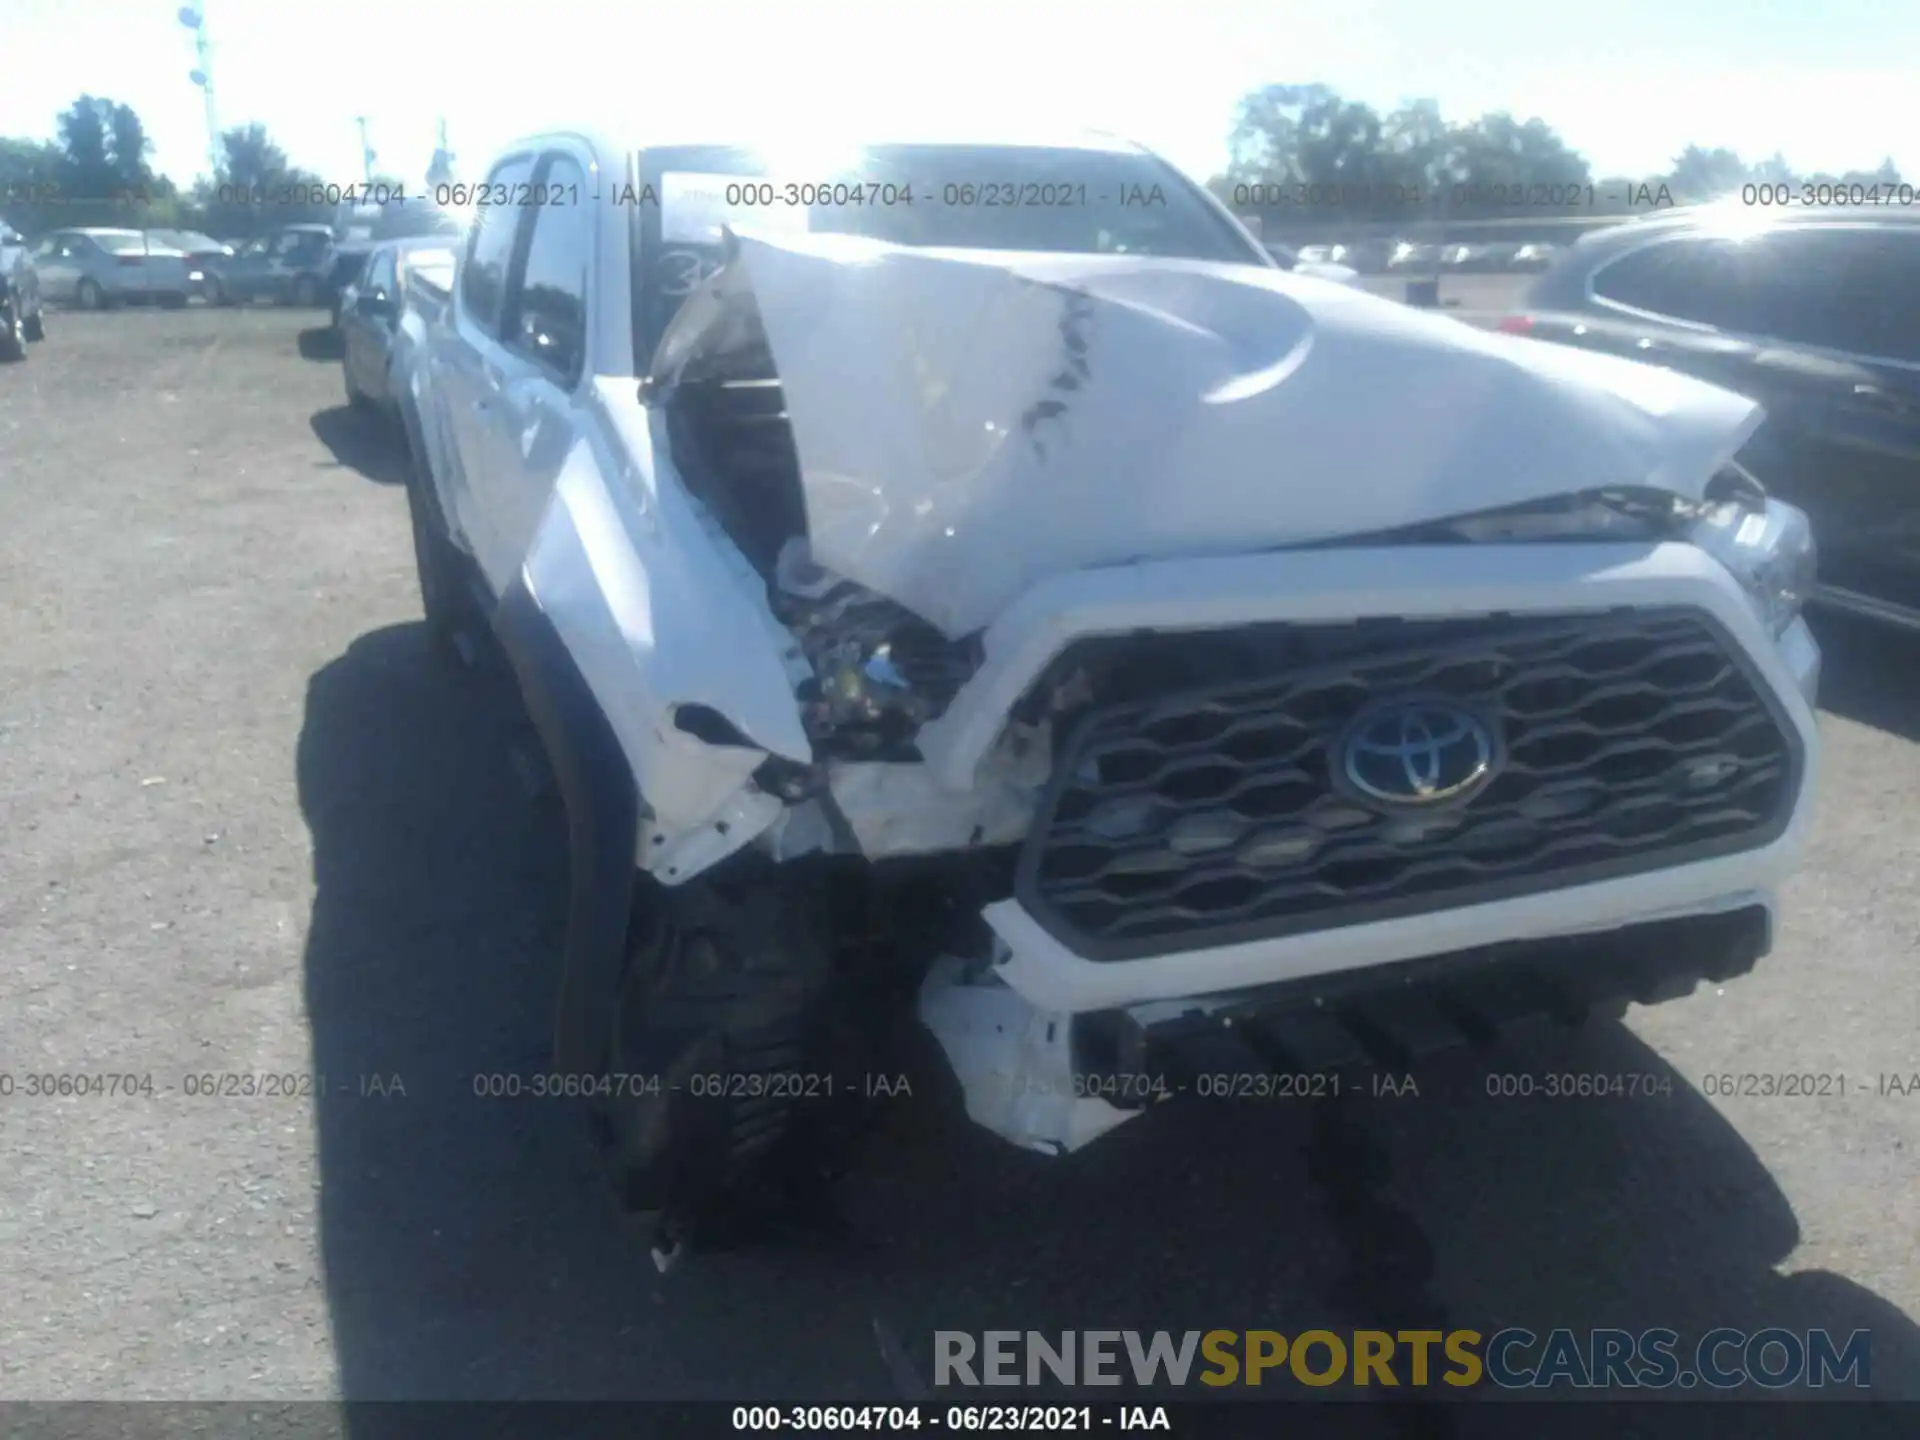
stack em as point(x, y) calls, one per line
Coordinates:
point(602, 806)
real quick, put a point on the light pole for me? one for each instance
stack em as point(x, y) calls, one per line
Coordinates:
point(440, 168)
point(366, 152)
point(195, 19)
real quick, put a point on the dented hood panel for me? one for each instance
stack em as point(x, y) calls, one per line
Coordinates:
point(969, 422)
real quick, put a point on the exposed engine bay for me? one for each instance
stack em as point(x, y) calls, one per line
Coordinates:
point(870, 672)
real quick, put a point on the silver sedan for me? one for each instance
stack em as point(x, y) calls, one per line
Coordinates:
point(96, 268)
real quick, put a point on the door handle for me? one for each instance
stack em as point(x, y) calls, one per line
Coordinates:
point(1878, 399)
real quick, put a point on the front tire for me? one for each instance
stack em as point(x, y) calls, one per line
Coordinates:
point(89, 296)
point(306, 292)
point(722, 1070)
point(35, 326)
point(363, 404)
point(441, 567)
point(13, 339)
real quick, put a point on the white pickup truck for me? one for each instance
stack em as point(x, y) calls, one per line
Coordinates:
point(975, 582)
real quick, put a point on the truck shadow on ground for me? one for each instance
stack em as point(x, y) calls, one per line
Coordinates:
point(471, 1250)
point(1870, 674)
point(368, 445)
point(319, 342)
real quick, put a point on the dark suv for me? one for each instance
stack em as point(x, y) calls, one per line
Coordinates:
point(1814, 313)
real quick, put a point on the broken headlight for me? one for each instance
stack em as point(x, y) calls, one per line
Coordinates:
point(1769, 548)
point(879, 671)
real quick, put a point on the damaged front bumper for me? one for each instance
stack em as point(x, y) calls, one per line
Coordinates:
point(1056, 1043)
point(1052, 1082)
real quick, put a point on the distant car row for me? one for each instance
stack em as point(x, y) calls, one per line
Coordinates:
point(1378, 257)
point(95, 268)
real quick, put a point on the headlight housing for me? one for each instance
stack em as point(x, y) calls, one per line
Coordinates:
point(1770, 550)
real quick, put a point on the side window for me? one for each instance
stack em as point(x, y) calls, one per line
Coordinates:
point(548, 319)
point(1878, 310)
point(377, 278)
point(483, 280)
point(1786, 284)
point(1685, 279)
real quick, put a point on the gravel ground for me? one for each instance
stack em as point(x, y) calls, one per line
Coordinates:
point(250, 826)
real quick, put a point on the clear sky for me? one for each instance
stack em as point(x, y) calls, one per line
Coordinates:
point(1833, 84)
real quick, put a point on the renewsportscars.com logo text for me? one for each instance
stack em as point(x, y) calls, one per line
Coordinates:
point(1512, 1359)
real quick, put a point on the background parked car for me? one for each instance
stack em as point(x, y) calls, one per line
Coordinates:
point(371, 225)
point(1410, 255)
point(1476, 259)
point(1368, 257)
point(284, 267)
point(1296, 260)
point(20, 317)
point(206, 257)
point(1537, 256)
point(1814, 314)
point(93, 268)
point(369, 317)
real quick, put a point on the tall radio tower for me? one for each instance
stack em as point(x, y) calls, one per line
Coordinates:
point(194, 17)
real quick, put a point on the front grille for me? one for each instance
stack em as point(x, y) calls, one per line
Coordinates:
point(1626, 742)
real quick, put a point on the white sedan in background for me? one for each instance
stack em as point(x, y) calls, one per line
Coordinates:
point(95, 268)
point(1300, 263)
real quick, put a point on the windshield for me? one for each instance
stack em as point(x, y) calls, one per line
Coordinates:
point(974, 197)
point(1027, 198)
point(404, 220)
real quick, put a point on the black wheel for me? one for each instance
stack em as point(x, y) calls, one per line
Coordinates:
point(216, 292)
point(726, 1072)
point(34, 327)
point(363, 404)
point(13, 340)
point(88, 295)
point(442, 568)
point(306, 292)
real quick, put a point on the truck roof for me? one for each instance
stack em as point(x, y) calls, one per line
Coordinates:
point(610, 145)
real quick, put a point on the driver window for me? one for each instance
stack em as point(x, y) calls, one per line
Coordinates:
point(378, 277)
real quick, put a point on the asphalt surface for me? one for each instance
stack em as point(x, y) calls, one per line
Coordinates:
point(250, 826)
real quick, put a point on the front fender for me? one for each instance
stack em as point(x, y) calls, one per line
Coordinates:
point(643, 598)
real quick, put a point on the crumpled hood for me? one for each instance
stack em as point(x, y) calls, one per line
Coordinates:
point(968, 422)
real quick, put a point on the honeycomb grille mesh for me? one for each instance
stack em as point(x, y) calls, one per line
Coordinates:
point(1632, 741)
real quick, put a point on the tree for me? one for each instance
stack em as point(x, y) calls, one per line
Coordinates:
point(101, 168)
point(1703, 175)
point(256, 187)
point(85, 170)
point(1347, 163)
point(127, 147)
